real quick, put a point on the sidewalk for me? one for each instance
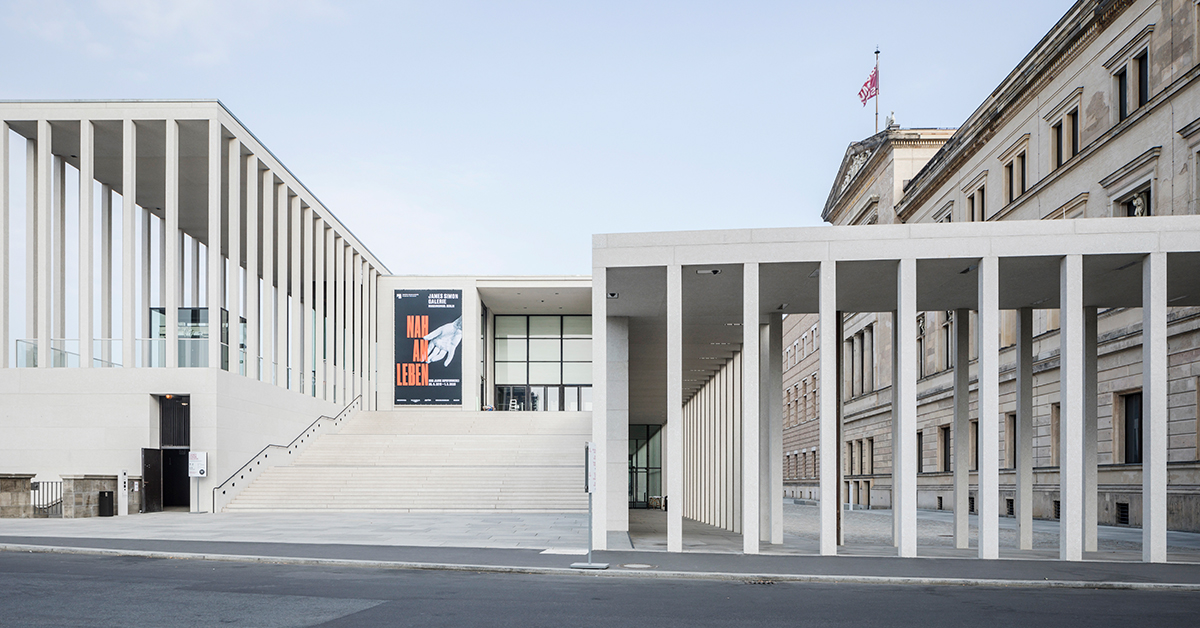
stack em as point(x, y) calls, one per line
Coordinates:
point(548, 544)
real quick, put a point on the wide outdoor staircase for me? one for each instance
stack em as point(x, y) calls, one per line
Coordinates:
point(433, 461)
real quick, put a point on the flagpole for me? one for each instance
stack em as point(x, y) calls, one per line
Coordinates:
point(876, 89)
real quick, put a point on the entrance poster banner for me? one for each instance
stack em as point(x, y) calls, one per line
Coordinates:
point(428, 333)
point(197, 464)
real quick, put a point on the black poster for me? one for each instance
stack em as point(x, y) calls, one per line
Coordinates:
point(428, 335)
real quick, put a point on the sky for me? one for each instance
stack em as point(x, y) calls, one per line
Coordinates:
point(493, 138)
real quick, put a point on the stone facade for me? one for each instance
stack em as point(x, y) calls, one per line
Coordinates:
point(81, 494)
point(1053, 142)
point(15, 496)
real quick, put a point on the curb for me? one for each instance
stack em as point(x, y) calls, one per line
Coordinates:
point(764, 578)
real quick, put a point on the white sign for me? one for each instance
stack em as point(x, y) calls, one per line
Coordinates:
point(197, 464)
point(590, 467)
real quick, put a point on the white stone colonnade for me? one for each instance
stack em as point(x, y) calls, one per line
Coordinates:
point(687, 335)
point(238, 236)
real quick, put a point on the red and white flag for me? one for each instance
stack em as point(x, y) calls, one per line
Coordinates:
point(870, 89)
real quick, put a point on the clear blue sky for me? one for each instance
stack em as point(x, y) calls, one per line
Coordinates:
point(511, 131)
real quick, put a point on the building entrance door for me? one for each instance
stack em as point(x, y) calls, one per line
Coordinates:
point(152, 491)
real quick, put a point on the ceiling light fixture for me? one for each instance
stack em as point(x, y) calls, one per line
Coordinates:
point(968, 269)
point(614, 295)
point(709, 271)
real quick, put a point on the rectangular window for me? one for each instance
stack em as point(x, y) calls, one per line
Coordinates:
point(1057, 132)
point(870, 456)
point(944, 448)
point(1054, 435)
point(979, 205)
point(1073, 120)
point(1142, 62)
point(1122, 79)
point(1132, 428)
point(1010, 441)
point(543, 363)
point(1022, 172)
point(974, 429)
point(1008, 182)
point(920, 452)
point(971, 208)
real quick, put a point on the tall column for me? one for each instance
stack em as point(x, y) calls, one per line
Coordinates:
point(296, 360)
point(989, 408)
point(43, 265)
point(268, 316)
point(1090, 428)
point(827, 412)
point(309, 288)
point(253, 320)
point(962, 428)
point(1070, 457)
point(4, 247)
point(86, 235)
point(896, 368)
point(172, 263)
point(751, 411)
point(765, 359)
point(143, 306)
point(1154, 408)
point(216, 265)
point(330, 313)
point(677, 502)
point(1024, 437)
point(59, 212)
point(336, 360)
point(774, 392)
point(369, 344)
point(44, 270)
point(106, 273)
point(233, 292)
point(347, 321)
point(33, 238)
point(282, 305)
point(320, 278)
point(355, 343)
point(904, 454)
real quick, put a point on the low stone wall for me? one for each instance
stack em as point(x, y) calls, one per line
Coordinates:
point(81, 494)
point(16, 499)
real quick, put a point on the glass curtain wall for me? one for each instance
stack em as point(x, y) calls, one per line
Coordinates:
point(543, 363)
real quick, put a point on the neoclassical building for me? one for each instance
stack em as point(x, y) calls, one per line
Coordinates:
point(1099, 120)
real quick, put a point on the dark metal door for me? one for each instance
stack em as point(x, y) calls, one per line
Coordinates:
point(152, 486)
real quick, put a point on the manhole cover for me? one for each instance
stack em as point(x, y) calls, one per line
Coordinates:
point(637, 566)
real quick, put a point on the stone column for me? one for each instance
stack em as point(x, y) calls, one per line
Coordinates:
point(904, 409)
point(59, 278)
point(1090, 394)
point(774, 392)
point(612, 459)
point(4, 245)
point(86, 212)
point(296, 359)
point(962, 428)
point(826, 470)
point(320, 279)
point(253, 320)
point(268, 315)
point(282, 305)
point(1024, 438)
point(216, 265)
point(677, 502)
point(330, 314)
point(43, 267)
point(143, 307)
point(106, 274)
point(309, 288)
point(1070, 458)
point(989, 408)
point(751, 410)
point(1154, 408)
point(234, 277)
point(171, 265)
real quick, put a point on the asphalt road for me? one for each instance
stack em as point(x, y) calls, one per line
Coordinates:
point(76, 590)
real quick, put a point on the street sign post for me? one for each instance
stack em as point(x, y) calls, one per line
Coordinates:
point(590, 470)
point(197, 468)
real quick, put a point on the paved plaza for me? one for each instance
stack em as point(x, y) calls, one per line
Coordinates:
point(868, 532)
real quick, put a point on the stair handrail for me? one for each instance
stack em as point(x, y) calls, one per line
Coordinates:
point(258, 458)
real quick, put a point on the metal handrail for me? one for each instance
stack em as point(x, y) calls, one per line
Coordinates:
point(294, 444)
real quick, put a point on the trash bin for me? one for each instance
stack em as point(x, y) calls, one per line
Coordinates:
point(106, 504)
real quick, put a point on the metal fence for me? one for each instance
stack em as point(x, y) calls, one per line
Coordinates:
point(47, 499)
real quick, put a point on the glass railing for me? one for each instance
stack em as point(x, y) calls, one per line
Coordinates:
point(150, 352)
point(107, 352)
point(27, 354)
point(193, 352)
point(242, 361)
point(64, 353)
